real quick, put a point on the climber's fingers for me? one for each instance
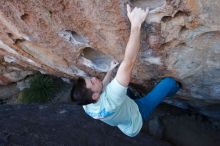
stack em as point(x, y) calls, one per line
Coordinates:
point(147, 11)
point(128, 9)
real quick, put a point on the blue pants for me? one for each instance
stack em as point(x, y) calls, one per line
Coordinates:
point(166, 88)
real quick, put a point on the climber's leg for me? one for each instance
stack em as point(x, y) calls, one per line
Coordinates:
point(167, 87)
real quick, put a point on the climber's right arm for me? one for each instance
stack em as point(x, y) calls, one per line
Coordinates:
point(136, 17)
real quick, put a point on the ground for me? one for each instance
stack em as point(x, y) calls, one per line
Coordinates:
point(67, 124)
point(61, 125)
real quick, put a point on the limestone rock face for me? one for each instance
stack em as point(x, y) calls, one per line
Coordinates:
point(71, 38)
point(11, 72)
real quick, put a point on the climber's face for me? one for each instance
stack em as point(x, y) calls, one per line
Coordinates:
point(95, 85)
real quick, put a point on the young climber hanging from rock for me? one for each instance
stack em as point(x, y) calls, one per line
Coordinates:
point(109, 102)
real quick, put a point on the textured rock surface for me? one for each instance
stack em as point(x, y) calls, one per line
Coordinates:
point(10, 72)
point(9, 94)
point(55, 125)
point(184, 127)
point(72, 38)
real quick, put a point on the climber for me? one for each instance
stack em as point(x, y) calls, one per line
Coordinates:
point(109, 101)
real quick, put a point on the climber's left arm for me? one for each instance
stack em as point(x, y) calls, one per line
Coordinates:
point(108, 75)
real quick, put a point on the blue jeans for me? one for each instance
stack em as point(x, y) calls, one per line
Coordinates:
point(166, 88)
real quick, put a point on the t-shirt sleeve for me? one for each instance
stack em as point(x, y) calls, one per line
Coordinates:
point(115, 93)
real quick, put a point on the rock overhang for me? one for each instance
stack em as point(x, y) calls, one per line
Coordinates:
point(73, 38)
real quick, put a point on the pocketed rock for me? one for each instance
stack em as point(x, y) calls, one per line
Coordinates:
point(179, 38)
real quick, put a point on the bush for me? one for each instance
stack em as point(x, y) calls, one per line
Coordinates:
point(42, 89)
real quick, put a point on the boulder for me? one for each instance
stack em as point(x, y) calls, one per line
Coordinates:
point(72, 38)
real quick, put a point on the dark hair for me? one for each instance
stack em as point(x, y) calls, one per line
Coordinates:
point(81, 94)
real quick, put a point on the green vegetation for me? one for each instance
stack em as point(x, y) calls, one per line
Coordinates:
point(42, 89)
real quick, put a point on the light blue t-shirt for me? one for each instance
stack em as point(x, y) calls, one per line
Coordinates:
point(115, 108)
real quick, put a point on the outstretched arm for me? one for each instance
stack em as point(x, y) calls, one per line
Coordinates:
point(136, 17)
